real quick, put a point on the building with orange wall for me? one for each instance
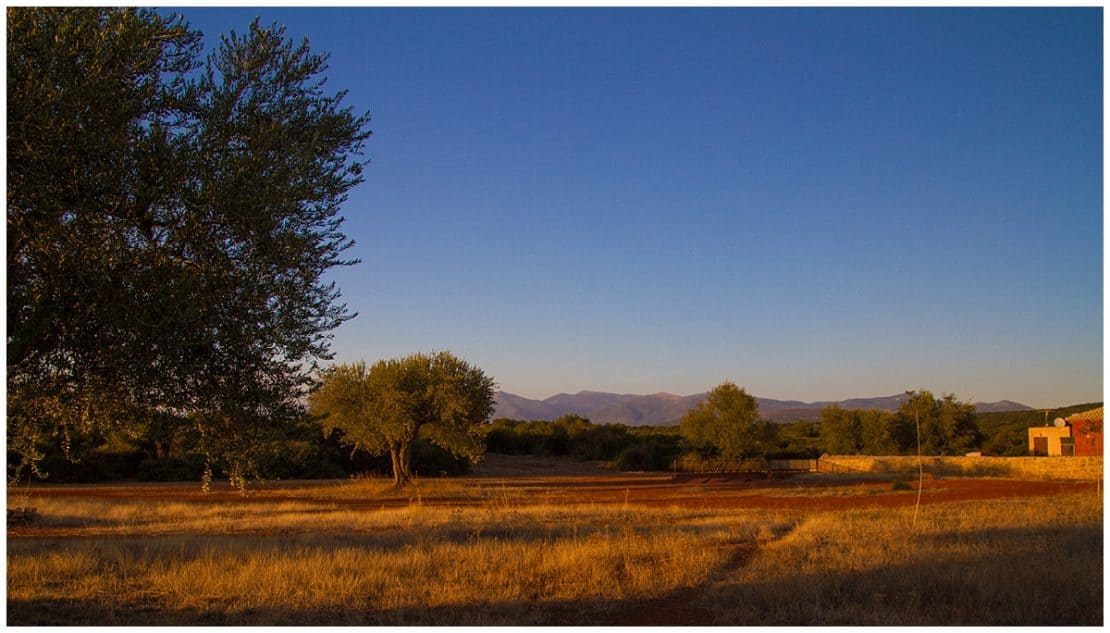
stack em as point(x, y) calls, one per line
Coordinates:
point(1086, 428)
point(1078, 435)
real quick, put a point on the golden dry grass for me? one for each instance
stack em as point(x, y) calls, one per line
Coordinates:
point(1004, 562)
point(508, 560)
point(413, 565)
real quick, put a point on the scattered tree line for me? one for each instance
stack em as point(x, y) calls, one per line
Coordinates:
point(725, 431)
point(433, 409)
point(945, 426)
point(421, 414)
point(630, 447)
point(304, 453)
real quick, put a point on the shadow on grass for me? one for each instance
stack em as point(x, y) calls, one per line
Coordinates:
point(1029, 577)
point(1008, 576)
point(533, 610)
point(524, 612)
point(185, 548)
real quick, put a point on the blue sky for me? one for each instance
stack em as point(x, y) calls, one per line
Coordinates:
point(813, 203)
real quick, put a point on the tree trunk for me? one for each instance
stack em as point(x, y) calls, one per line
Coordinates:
point(400, 455)
point(395, 457)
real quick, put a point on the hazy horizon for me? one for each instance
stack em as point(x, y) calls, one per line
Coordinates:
point(813, 203)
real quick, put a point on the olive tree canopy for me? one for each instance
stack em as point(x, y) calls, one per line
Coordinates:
point(170, 221)
point(384, 408)
point(944, 426)
point(726, 425)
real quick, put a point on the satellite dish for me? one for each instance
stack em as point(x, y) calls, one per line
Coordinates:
point(1059, 422)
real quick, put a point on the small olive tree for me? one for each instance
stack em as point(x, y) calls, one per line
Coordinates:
point(385, 407)
point(726, 425)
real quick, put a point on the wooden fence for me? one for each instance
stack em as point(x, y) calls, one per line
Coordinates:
point(799, 465)
point(705, 467)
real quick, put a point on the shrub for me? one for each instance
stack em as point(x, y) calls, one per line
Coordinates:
point(22, 516)
point(188, 467)
point(634, 458)
point(430, 460)
point(754, 465)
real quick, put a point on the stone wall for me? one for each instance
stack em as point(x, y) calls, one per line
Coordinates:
point(1014, 467)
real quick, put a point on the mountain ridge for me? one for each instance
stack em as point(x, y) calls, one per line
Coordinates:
point(663, 408)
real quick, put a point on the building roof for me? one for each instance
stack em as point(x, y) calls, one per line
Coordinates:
point(1094, 415)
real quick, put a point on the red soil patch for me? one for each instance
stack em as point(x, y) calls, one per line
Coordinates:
point(733, 493)
point(730, 492)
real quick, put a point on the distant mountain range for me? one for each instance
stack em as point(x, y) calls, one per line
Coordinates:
point(661, 409)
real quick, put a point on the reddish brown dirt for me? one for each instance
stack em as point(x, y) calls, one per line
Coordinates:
point(735, 492)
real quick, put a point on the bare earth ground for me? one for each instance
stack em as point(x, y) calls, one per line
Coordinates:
point(798, 492)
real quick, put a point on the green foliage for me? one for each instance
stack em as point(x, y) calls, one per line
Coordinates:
point(857, 431)
point(877, 432)
point(383, 408)
point(725, 425)
point(635, 457)
point(947, 426)
point(508, 437)
point(841, 430)
point(632, 448)
point(797, 440)
point(170, 224)
point(569, 435)
point(653, 450)
point(430, 460)
point(601, 442)
point(304, 454)
point(188, 467)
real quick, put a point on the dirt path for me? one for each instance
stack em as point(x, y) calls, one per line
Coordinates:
point(676, 608)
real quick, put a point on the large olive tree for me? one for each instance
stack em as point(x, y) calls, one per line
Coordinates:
point(170, 222)
point(385, 407)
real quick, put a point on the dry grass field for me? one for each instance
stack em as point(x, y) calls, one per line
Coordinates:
point(587, 548)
